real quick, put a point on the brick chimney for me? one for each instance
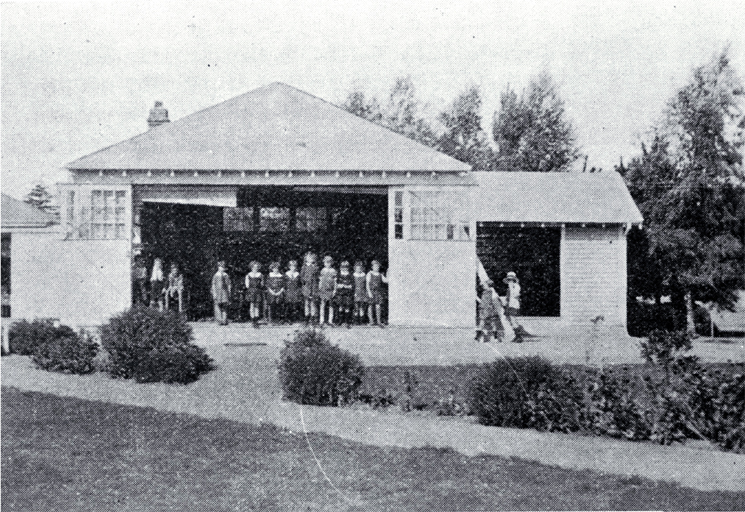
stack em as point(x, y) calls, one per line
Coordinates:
point(158, 115)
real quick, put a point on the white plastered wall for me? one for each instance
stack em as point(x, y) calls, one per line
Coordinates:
point(431, 283)
point(593, 274)
point(79, 282)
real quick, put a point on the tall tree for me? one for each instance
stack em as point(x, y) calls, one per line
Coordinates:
point(691, 189)
point(401, 112)
point(532, 132)
point(464, 138)
point(40, 197)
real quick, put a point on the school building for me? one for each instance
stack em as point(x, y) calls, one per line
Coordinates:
point(276, 172)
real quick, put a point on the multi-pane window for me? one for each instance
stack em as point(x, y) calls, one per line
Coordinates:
point(398, 214)
point(95, 213)
point(274, 219)
point(310, 218)
point(238, 219)
point(437, 215)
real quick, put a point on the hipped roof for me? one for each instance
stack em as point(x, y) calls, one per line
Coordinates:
point(276, 127)
point(554, 197)
point(17, 214)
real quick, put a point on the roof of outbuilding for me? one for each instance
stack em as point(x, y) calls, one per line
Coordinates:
point(17, 214)
point(554, 197)
point(276, 127)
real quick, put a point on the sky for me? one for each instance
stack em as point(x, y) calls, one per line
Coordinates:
point(79, 76)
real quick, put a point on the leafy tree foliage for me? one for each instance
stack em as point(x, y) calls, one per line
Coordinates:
point(40, 197)
point(401, 113)
point(532, 131)
point(464, 138)
point(691, 190)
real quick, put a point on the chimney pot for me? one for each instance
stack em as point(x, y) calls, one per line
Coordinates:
point(158, 115)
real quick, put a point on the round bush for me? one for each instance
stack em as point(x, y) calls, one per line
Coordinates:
point(526, 392)
point(153, 346)
point(24, 336)
point(315, 372)
point(69, 354)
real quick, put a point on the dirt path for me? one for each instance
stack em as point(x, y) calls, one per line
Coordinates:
point(245, 388)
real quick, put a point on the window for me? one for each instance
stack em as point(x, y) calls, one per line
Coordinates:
point(310, 218)
point(274, 219)
point(238, 219)
point(437, 215)
point(100, 213)
point(398, 215)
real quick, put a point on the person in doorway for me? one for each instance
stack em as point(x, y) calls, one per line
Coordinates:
point(360, 292)
point(345, 294)
point(293, 293)
point(275, 292)
point(327, 290)
point(254, 292)
point(309, 276)
point(374, 285)
point(139, 281)
point(220, 291)
point(175, 288)
point(512, 305)
point(157, 283)
point(489, 306)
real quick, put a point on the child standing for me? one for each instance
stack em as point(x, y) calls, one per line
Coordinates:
point(360, 292)
point(275, 290)
point(254, 288)
point(309, 279)
point(512, 303)
point(374, 285)
point(489, 306)
point(156, 285)
point(221, 293)
point(345, 294)
point(175, 289)
point(327, 289)
point(293, 293)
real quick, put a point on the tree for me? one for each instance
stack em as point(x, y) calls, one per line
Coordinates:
point(532, 132)
point(401, 113)
point(40, 197)
point(464, 138)
point(691, 189)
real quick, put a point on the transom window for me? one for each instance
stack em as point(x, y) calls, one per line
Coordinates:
point(238, 219)
point(437, 215)
point(310, 218)
point(274, 219)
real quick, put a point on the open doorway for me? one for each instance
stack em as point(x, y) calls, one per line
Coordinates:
point(269, 224)
point(534, 254)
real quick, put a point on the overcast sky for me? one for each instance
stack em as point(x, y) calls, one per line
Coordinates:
point(78, 76)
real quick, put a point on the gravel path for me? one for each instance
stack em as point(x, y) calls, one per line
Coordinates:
point(245, 388)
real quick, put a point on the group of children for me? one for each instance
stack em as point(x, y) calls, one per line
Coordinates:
point(158, 290)
point(314, 292)
point(493, 308)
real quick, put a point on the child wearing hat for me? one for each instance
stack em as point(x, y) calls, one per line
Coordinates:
point(275, 290)
point(254, 289)
point(327, 289)
point(345, 294)
point(512, 303)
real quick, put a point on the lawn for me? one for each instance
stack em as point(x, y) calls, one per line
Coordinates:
point(69, 454)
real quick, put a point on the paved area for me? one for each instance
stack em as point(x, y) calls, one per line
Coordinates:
point(245, 388)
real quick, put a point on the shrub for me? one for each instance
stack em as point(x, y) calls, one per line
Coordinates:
point(613, 409)
point(526, 392)
point(25, 336)
point(153, 346)
point(728, 418)
point(315, 372)
point(72, 353)
point(664, 347)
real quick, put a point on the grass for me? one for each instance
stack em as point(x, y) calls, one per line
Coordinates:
point(70, 454)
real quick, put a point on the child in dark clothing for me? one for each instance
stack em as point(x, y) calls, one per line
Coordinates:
point(293, 293)
point(275, 290)
point(254, 292)
point(345, 294)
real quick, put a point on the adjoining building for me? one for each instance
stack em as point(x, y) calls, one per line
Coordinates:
point(276, 172)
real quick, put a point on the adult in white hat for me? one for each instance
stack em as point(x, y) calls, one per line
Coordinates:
point(512, 303)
